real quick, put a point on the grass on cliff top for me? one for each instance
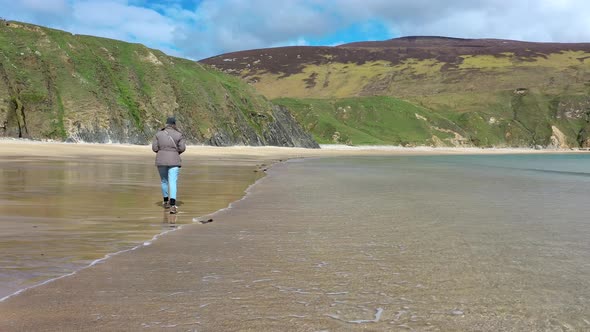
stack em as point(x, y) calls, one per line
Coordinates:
point(369, 121)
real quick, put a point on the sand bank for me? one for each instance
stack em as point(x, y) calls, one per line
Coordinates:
point(12, 147)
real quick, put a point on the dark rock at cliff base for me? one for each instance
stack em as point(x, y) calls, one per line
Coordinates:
point(285, 131)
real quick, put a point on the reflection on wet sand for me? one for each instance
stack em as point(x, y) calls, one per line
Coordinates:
point(170, 218)
point(59, 215)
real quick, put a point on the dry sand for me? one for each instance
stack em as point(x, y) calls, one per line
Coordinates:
point(12, 147)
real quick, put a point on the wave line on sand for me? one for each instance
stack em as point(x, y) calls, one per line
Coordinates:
point(359, 321)
point(145, 243)
point(96, 261)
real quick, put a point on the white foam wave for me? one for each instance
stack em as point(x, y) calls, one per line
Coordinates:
point(107, 256)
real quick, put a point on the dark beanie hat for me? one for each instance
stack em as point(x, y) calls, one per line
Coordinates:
point(171, 120)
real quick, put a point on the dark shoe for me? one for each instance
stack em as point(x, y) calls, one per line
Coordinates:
point(173, 209)
point(166, 205)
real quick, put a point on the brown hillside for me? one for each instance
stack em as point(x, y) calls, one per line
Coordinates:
point(435, 41)
point(291, 60)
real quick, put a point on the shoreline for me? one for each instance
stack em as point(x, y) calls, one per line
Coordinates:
point(272, 155)
point(264, 154)
point(94, 262)
point(205, 271)
point(145, 243)
point(37, 149)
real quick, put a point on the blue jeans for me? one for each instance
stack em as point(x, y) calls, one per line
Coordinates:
point(169, 177)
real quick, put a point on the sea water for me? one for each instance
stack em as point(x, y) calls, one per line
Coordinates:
point(441, 243)
point(451, 242)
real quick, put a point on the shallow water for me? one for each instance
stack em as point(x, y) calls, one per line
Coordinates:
point(441, 243)
point(448, 242)
point(58, 216)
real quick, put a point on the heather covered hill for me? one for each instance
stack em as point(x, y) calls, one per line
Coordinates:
point(57, 85)
point(411, 66)
point(495, 92)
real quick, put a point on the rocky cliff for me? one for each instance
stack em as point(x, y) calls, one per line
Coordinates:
point(56, 85)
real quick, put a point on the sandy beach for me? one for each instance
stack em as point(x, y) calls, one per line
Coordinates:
point(13, 147)
point(275, 260)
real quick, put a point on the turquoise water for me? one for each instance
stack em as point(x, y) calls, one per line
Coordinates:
point(572, 164)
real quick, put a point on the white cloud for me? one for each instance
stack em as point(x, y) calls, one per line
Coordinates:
point(35, 11)
point(131, 22)
point(116, 19)
point(229, 25)
point(45, 6)
point(542, 20)
point(296, 42)
point(217, 26)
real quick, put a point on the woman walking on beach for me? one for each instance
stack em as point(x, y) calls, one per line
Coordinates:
point(168, 144)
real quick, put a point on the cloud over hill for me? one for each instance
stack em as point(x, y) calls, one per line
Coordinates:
point(203, 28)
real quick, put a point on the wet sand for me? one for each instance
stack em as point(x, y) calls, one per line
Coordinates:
point(287, 257)
point(58, 216)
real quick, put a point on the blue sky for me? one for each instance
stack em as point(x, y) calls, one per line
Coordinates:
point(201, 28)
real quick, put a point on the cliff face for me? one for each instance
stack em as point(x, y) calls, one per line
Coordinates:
point(79, 88)
point(282, 131)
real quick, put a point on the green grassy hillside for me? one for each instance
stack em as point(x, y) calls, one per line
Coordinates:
point(373, 121)
point(514, 120)
point(490, 92)
point(57, 85)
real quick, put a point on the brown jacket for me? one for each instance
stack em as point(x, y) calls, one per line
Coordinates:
point(168, 144)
